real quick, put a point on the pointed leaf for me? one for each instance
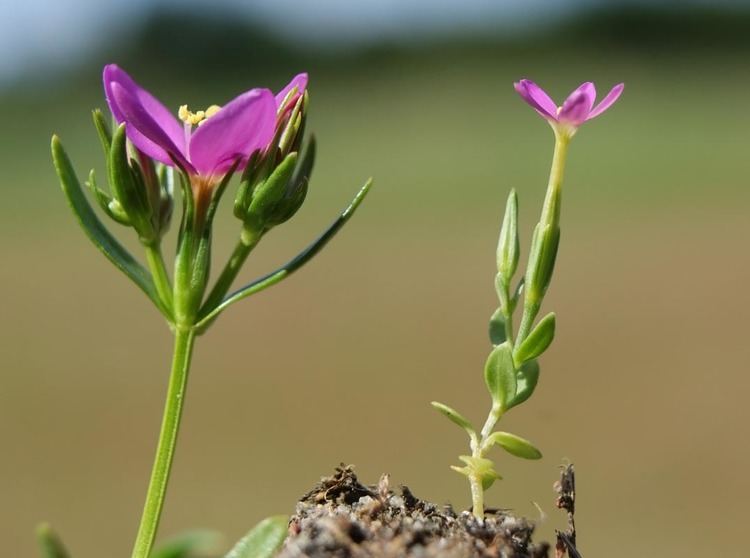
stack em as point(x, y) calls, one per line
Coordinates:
point(500, 375)
point(497, 328)
point(526, 380)
point(455, 417)
point(537, 341)
point(94, 229)
point(190, 544)
point(264, 540)
point(514, 445)
point(508, 245)
point(209, 314)
point(102, 128)
point(50, 544)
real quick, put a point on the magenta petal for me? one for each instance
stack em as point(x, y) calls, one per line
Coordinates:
point(145, 133)
point(147, 139)
point(241, 126)
point(608, 101)
point(537, 98)
point(577, 106)
point(299, 81)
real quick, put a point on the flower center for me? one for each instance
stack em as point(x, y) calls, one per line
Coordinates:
point(192, 118)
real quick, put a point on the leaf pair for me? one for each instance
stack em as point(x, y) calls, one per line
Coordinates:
point(509, 385)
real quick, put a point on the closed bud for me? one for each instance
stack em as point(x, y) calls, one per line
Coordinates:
point(508, 245)
point(268, 196)
point(542, 258)
point(128, 185)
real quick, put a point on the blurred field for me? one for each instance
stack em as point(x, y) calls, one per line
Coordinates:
point(645, 388)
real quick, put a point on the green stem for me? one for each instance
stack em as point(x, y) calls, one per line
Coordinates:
point(159, 273)
point(551, 207)
point(244, 246)
point(183, 348)
point(477, 496)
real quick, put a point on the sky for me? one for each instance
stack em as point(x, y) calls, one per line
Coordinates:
point(49, 35)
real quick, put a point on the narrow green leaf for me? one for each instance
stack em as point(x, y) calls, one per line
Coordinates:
point(94, 229)
point(102, 128)
point(49, 543)
point(264, 540)
point(515, 445)
point(537, 341)
point(207, 316)
point(508, 245)
point(500, 375)
point(190, 544)
point(497, 328)
point(455, 417)
point(526, 380)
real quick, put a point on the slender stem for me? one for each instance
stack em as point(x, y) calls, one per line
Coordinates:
point(183, 348)
point(244, 246)
point(159, 273)
point(551, 207)
point(477, 496)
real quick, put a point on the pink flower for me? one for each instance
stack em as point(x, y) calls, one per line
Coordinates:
point(206, 143)
point(577, 108)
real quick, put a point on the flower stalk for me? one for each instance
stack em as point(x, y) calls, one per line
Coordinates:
point(183, 348)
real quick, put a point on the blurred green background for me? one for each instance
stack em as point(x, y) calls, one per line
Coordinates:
point(645, 388)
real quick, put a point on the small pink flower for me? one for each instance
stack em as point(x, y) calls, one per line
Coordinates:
point(577, 108)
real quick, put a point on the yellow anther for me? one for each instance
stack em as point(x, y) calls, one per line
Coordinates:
point(213, 109)
point(189, 117)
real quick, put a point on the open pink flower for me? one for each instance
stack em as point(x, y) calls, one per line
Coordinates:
point(207, 143)
point(577, 108)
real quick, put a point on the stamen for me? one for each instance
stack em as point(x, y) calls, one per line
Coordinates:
point(189, 117)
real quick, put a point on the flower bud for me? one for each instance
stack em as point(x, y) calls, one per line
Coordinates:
point(129, 187)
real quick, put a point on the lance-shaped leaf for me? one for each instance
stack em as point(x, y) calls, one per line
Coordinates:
point(49, 543)
point(263, 540)
point(508, 245)
point(107, 203)
point(208, 314)
point(500, 376)
point(94, 229)
point(455, 417)
point(515, 445)
point(537, 341)
point(526, 380)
